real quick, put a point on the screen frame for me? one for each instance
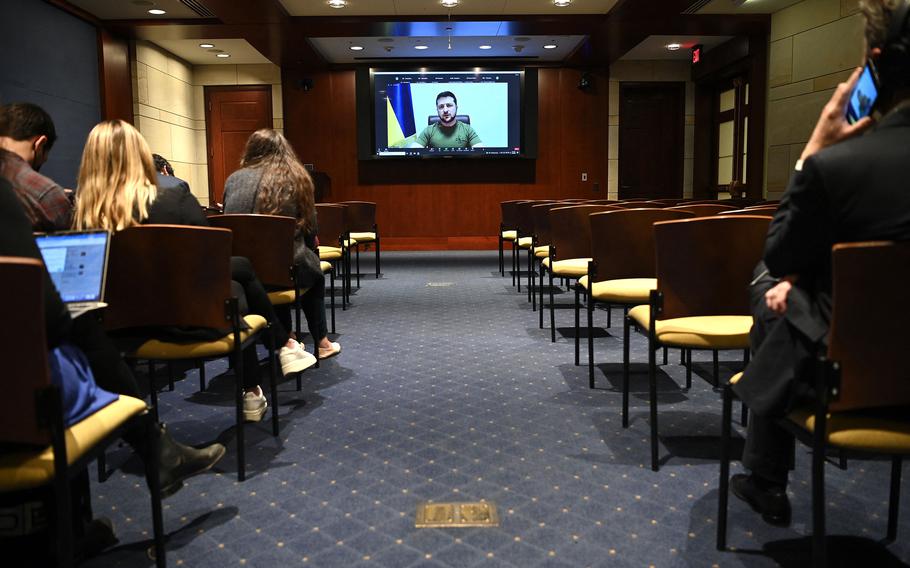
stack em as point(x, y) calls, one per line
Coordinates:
point(366, 119)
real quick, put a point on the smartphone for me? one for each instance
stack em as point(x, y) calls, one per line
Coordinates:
point(865, 93)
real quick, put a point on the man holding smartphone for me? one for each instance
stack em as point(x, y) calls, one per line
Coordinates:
point(846, 187)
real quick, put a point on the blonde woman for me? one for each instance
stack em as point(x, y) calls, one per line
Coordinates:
point(272, 181)
point(116, 190)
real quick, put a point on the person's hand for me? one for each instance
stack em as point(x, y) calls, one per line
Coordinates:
point(776, 297)
point(832, 126)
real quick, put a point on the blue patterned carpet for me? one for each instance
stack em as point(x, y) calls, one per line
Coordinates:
point(452, 393)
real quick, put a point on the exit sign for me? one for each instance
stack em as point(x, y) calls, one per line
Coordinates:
point(696, 53)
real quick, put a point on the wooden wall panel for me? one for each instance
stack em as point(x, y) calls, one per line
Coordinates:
point(114, 75)
point(451, 203)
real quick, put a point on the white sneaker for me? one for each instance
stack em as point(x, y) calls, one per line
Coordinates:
point(254, 405)
point(295, 359)
point(331, 351)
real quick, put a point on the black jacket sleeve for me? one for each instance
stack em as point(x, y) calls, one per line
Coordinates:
point(16, 240)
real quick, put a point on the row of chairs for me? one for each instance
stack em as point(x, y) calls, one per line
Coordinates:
point(682, 279)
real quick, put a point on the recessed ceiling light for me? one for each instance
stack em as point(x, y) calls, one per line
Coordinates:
point(550, 46)
point(486, 47)
point(356, 48)
point(157, 12)
point(562, 3)
point(206, 45)
point(673, 46)
point(421, 47)
point(222, 55)
point(449, 3)
point(337, 3)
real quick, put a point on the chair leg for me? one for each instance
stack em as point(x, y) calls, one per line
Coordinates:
point(238, 404)
point(102, 467)
point(666, 354)
point(540, 304)
point(377, 256)
point(153, 391)
point(552, 312)
point(532, 273)
point(688, 369)
point(332, 302)
point(894, 498)
point(518, 276)
point(609, 316)
point(716, 362)
point(723, 485)
point(200, 364)
point(502, 264)
point(819, 540)
point(682, 356)
point(530, 264)
point(590, 307)
point(154, 483)
point(625, 371)
point(273, 388)
point(357, 255)
point(744, 415)
point(65, 537)
point(577, 326)
point(652, 395)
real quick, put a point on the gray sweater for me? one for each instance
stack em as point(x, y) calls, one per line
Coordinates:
point(240, 191)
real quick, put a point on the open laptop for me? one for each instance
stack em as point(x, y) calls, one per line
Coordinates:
point(77, 263)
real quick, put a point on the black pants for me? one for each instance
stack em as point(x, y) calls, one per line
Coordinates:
point(312, 303)
point(255, 300)
point(768, 446)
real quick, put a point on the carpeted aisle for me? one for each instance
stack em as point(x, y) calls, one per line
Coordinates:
point(447, 391)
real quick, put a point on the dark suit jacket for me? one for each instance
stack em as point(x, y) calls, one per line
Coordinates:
point(175, 204)
point(854, 191)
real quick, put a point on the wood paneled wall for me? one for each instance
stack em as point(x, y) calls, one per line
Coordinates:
point(114, 76)
point(438, 204)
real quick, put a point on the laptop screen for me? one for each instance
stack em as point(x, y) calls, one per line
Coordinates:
point(76, 262)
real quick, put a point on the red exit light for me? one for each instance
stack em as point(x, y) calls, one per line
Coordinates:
point(696, 54)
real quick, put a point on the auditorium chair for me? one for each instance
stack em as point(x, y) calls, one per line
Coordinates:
point(162, 277)
point(703, 209)
point(46, 452)
point(524, 238)
point(621, 271)
point(704, 266)
point(862, 384)
point(361, 220)
point(570, 248)
point(334, 244)
point(769, 211)
point(507, 232)
point(540, 219)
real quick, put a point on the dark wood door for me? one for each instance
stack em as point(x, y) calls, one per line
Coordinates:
point(231, 115)
point(651, 139)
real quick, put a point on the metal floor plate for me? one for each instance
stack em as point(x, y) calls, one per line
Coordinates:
point(477, 514)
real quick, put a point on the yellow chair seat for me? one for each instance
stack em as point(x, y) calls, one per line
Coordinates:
point(572, 267)
point(621, 290)
point(329, 253)
point(542, 251)
point(29, 469)
point(155, 349)
point(699, 332)
point(525, 242)
point(325, 266)
point(871, 430)
point(282, 297)
point(363, 237)
point(509, 235)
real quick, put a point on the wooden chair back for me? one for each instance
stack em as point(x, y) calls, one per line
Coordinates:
point(24, 350)
point(525, 217)
point(570, 229)
point(510, 214)
point(769, 212)
point(540, 215)
point(704, 265)
point(622, 241)
point(332, 221)
point(637, 204)
point(168, 275)
point(267, 241)
point(361, 216)
point(868, 333)
point(703, 209)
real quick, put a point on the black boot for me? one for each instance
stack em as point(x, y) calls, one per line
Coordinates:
point(177, 461)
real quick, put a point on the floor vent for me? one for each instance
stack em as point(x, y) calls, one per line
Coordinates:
point(441, 515)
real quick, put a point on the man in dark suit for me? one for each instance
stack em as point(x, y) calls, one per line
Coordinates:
point(846, 187)
point(166, 178)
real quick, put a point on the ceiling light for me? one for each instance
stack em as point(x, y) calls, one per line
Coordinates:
point(562, 3)
point(550, 46)
point(449, 3)
point(356, 48)
point(206, 45)
point(673, 46)
point(337, 3)
point(421, 46)
point(225, 55)
point(486, 47)
point(157, 12)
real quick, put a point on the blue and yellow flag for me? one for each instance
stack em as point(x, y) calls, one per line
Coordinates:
point(400, 113)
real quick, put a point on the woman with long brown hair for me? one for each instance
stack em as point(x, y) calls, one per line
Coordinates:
point(117, 189)
point(272, 181)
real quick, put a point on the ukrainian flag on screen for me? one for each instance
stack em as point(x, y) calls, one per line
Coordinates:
point(400, 113)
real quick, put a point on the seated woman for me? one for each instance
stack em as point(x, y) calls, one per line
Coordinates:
point(272, 181)
point(116, 190)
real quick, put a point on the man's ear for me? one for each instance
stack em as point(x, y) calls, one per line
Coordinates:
point(39, 143)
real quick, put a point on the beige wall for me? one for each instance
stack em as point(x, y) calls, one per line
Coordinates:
point(814, 46)
point(170, 112)
point(649, 71)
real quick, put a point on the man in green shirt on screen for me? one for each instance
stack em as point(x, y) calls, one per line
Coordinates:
point(448, 132)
